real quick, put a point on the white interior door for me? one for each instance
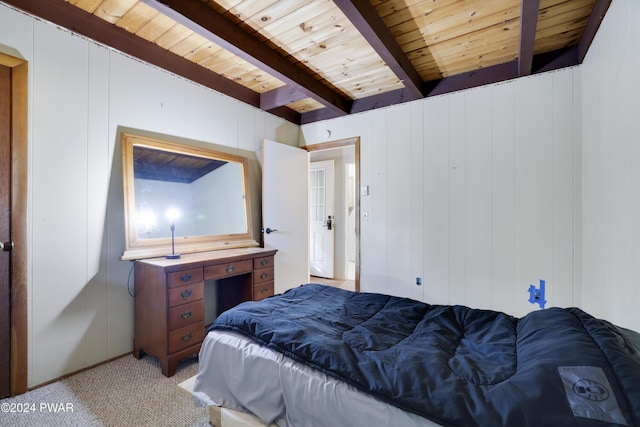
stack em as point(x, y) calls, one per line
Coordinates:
point(285, 211)
point(321, 218)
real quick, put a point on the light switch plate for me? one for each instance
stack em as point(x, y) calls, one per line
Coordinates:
point(364, 190)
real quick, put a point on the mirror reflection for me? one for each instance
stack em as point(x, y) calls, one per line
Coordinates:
point(201, 195)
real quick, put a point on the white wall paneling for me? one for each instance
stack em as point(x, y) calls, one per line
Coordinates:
point(378, 221)
point(479, 198)
point(610, 158)
point(534, 185)
point(457, 197)
point(81, 95)
point(564, 188)
point(435, 244)
point(399, 228)
point(365, 130)
point(503, 292)
point(60, 200)
point(577, 183)
point(416, 233)
point(493, 181)
point(99, 156)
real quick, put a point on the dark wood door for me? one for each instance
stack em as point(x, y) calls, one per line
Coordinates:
point(5, 227)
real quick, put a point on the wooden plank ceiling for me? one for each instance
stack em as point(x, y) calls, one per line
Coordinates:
point(309, 60)
point(164, 165)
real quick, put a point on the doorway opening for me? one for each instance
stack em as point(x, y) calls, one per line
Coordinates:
point(344, 223)
point(322, 218)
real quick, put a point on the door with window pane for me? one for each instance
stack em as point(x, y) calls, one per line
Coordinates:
point(322, 221)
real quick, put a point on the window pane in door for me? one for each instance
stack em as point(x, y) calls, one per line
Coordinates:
point(316, 195)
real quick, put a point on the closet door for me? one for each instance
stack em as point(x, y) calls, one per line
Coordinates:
point(5, 230)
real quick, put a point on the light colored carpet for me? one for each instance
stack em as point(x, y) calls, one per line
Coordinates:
point(122, 393)
point(349, 285)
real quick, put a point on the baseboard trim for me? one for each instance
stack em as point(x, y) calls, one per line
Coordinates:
point(78, 371)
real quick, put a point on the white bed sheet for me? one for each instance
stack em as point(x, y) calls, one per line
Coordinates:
point(238, 374)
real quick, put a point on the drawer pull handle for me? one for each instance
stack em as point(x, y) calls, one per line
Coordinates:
point(186, 294)
point(264, 290)
point(264, 275)
point(230, 269)
point(186, 314)
point(185, 277)
point(187, 337)
point(264, 262)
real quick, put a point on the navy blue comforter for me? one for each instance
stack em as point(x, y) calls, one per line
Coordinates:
point(455, 365)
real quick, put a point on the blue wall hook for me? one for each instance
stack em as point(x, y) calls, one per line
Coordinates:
point(536, 296)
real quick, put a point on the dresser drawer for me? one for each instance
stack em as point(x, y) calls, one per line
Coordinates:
point(262, 290)
point(185, 314)
point(185, 277)
point(186, 337)
point(170, 308)
point(185, 294)
point(264, 275)
point(263, 262)
point(231, 269)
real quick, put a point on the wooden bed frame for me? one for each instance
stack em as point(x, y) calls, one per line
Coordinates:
point(223, 417)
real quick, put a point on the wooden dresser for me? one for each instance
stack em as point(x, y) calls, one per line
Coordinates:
point(169, 298)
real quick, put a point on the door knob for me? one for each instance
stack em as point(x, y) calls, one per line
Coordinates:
point(269, 230)
point(329, 223)
point(6, 246)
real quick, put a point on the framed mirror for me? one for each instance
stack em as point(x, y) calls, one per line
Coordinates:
point(181, 199)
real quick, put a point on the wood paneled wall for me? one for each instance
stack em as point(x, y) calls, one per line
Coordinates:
point(611, 147)
point(81, 95)
point(476, 192)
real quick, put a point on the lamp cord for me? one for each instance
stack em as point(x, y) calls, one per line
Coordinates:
point(131, 292)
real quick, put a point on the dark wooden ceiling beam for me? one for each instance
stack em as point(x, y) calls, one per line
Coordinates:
point(367, 21)
point(280, 96)
point(213, 26)
point(381, 100)
point(450, 84)
point(317, 116)
point(78, 21)
point(528, 23)
point(561, 58)
point(589, 33)
point(61, 13)
point(288, 114)
point(480, 77)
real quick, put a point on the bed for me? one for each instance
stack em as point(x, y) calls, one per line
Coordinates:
point(322, 356)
